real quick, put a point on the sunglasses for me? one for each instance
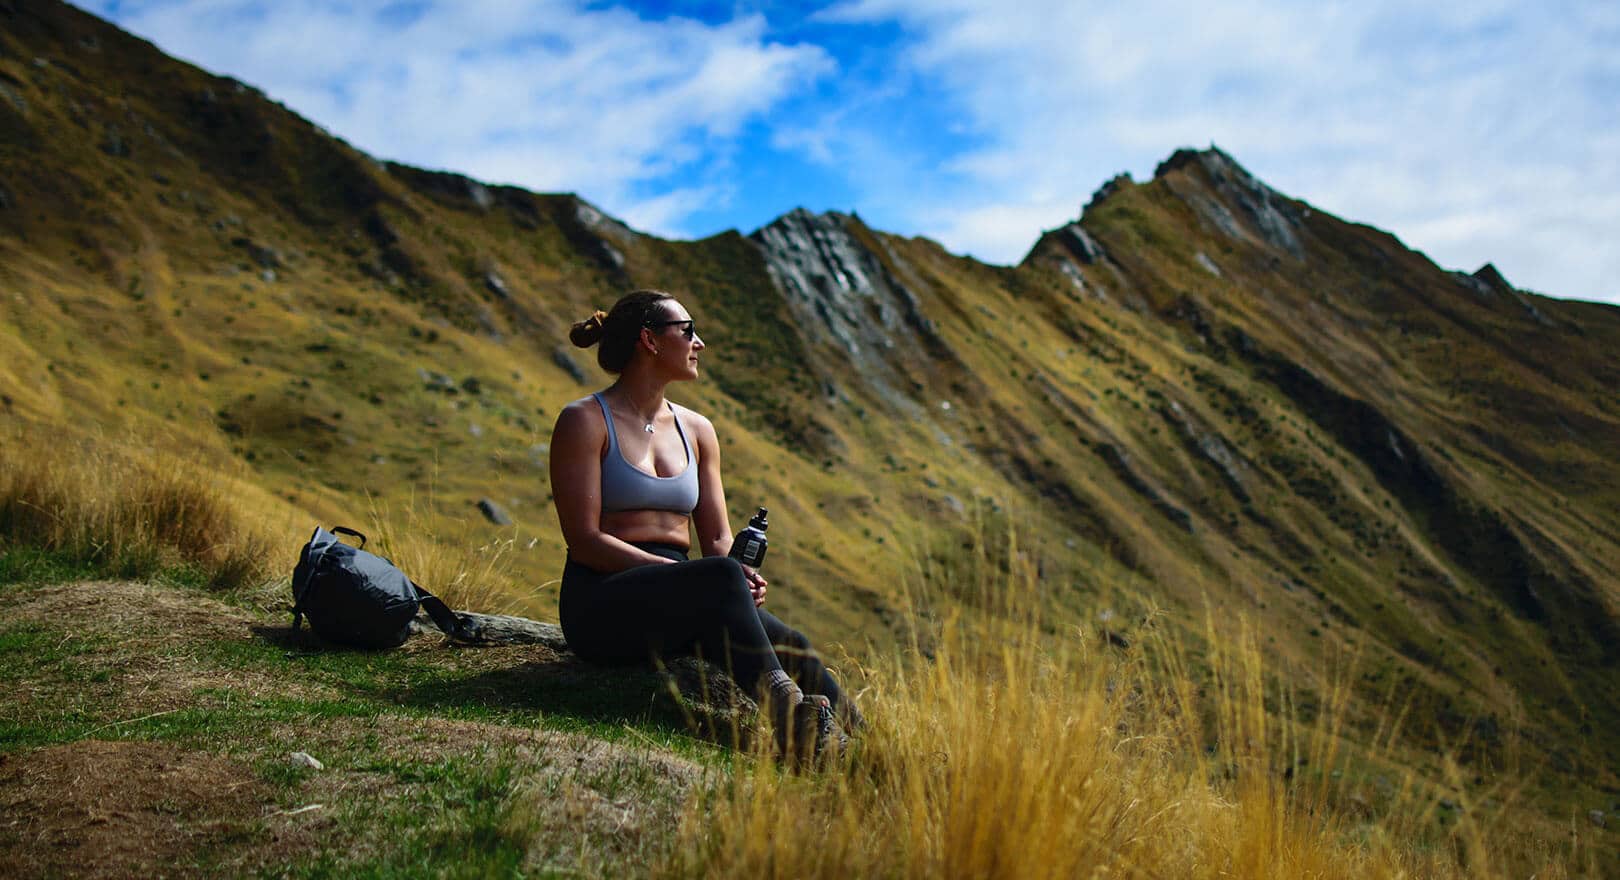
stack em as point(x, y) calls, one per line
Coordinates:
point(689, 331)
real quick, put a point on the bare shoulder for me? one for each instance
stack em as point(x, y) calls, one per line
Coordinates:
point(694, 421)
point(580, 415)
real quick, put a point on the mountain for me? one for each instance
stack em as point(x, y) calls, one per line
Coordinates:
point(1200, 394)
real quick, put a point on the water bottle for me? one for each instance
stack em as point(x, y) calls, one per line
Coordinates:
point(749, 545)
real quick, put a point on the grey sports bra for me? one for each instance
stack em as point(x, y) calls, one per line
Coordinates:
point(627, 487)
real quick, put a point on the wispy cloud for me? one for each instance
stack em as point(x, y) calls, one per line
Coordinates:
point(548, 95)
point(1468, 128)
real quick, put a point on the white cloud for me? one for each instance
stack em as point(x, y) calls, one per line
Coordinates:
point(550, 95)
point(1470, 129)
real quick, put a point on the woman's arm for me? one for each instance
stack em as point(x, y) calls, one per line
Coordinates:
point(577, 442)
point(710, 519)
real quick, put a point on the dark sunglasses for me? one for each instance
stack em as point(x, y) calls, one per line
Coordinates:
point(689, 331)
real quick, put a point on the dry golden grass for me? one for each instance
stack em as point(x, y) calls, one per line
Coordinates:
point(467, 575)
point(1012, 751)
point(127, 509)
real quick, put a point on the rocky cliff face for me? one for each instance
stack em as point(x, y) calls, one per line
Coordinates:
point(844, 288)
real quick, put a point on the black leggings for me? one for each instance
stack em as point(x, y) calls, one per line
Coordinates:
point(699, 606)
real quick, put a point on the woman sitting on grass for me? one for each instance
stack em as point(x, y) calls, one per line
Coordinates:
point(630, 472)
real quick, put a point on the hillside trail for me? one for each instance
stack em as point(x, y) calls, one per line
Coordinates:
point(134, 739)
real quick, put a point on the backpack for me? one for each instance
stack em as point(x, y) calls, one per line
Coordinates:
point(360, 599)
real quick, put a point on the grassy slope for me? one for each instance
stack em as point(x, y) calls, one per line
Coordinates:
point(145, 201)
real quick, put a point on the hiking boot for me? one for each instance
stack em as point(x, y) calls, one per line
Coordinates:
point(849, 715)
point(812, 735)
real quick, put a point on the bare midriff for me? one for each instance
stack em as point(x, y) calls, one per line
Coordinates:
point(659, 526)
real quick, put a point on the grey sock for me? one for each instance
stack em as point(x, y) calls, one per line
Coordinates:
point(781, 687)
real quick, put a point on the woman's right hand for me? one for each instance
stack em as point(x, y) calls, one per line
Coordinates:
point(756, 584)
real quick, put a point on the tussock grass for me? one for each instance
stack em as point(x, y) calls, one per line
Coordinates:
point(466, 574)
point(125, 510)
point(1010, 750)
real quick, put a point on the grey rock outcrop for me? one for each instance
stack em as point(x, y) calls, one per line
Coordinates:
point(563, 359)
point(847, 289)
point(496, 284)
point(1243, 207)
point(840, 290)
point(494, 512)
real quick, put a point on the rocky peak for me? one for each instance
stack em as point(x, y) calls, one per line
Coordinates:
point(1491, 277)
point(839, 288)
point(1242, 206)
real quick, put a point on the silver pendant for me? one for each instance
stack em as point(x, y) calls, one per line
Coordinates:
point(649, 428)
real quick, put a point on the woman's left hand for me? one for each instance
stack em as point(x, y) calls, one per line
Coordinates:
point(756, 584)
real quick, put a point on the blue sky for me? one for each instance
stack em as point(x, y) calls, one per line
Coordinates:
point(1482, 131)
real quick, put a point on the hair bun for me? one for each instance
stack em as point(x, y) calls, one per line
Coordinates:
point(588, 332)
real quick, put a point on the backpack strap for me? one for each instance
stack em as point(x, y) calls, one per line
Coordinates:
point(313, 551)
point(448, 621)
point(345, 530)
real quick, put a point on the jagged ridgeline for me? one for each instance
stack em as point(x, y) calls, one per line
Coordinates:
point(1199, 391)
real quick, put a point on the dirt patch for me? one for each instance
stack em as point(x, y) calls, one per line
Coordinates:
point(122, 809)
point(141, 615)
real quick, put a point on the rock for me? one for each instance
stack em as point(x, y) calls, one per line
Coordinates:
point(1473, 283)
point(1273, 218)
point(1082, 245)
point(502, 629)
point(1491, 277)
point(113, 144)
point(497, 284)
point(475, 429)
point(437, 381)
point(499, 629)
point(1597, 818)
point(562, 358)
point(494, 512)
point(846, 287)
point(1208, 264)
point(304, 759)
point(14, 98)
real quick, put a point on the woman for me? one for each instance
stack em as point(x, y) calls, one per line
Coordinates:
point(630, 471)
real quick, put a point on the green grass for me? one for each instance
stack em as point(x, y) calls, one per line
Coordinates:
point(33, 565)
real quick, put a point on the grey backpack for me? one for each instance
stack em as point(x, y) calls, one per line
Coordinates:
point(360, 599)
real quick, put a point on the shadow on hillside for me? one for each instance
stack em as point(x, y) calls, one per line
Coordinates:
point(688, 696)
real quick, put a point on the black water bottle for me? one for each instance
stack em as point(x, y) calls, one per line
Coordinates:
point(749, 546)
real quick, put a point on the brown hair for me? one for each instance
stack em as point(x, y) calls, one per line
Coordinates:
point(618, 329)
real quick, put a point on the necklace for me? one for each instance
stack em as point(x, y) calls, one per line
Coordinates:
point(647, 424)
